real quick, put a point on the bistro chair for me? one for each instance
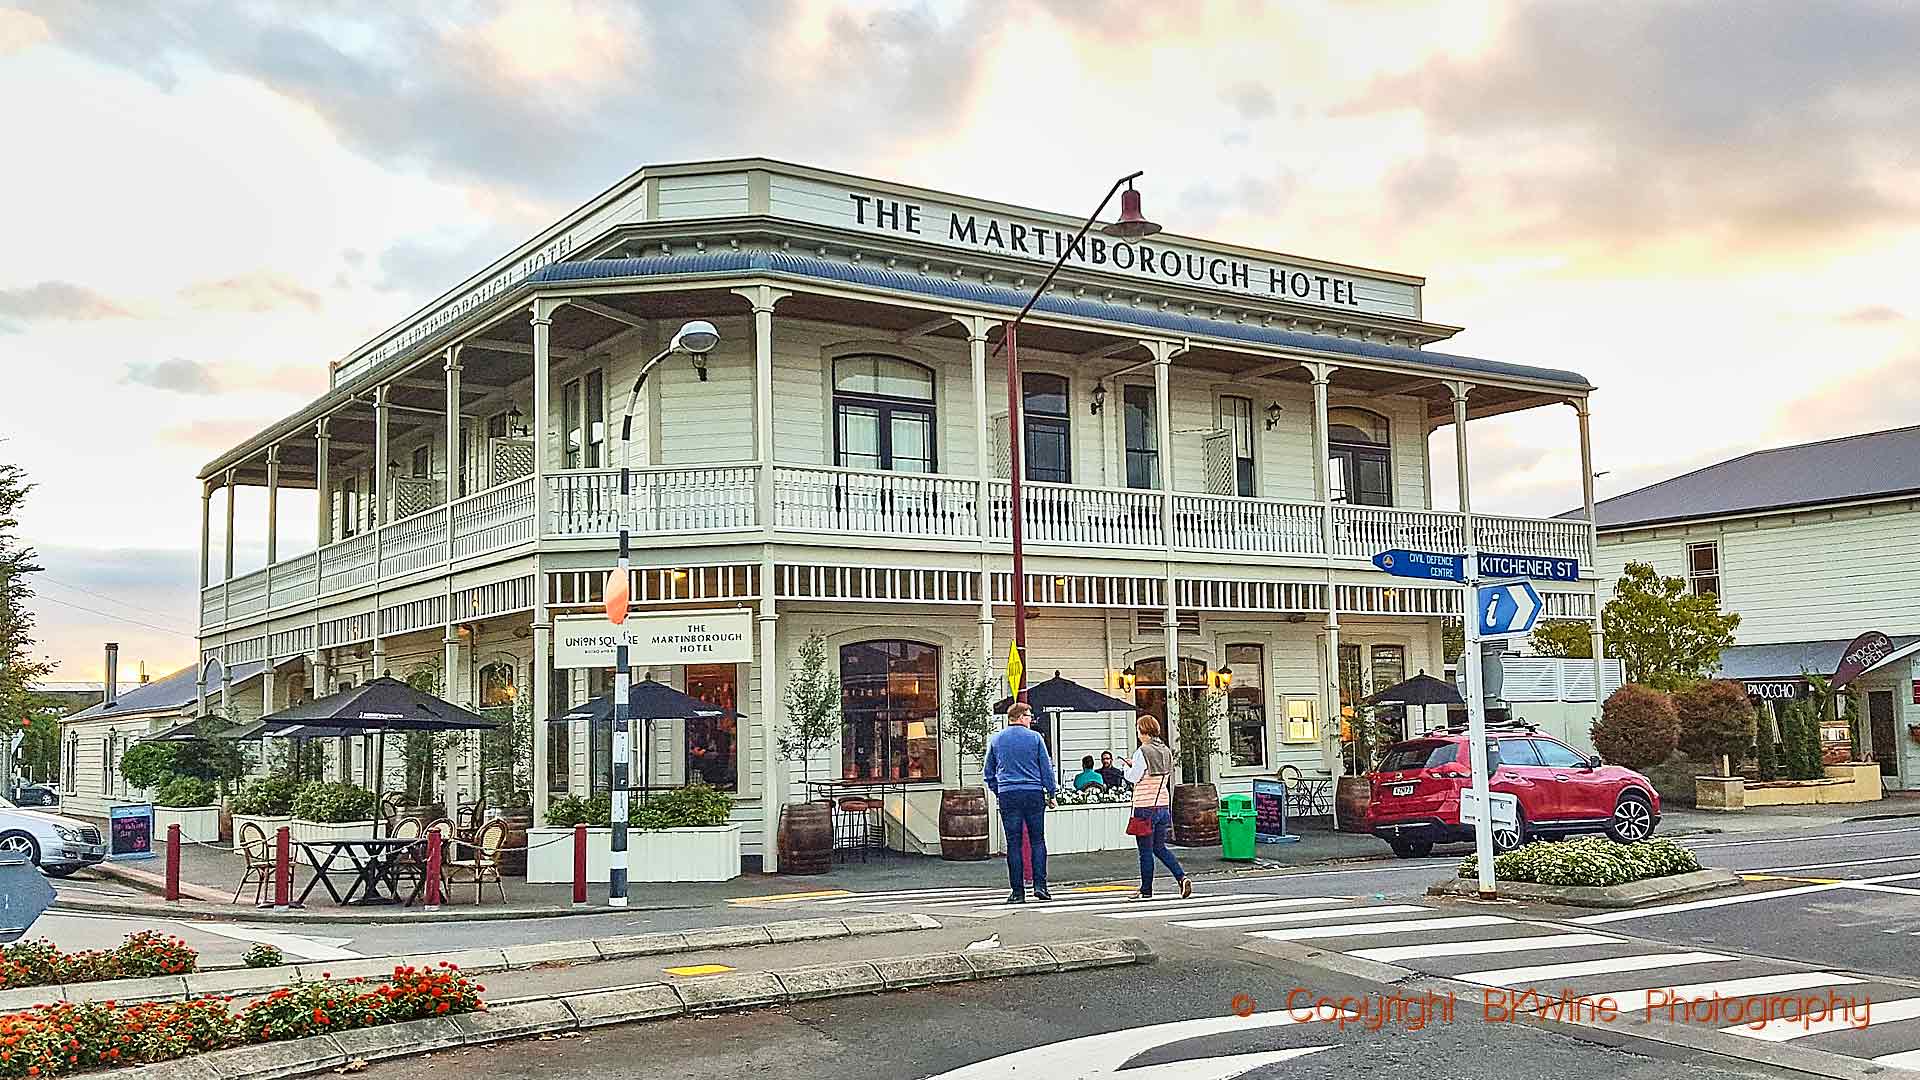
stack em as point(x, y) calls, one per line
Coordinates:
point(410, 863)
point(391, 804)
point(468, 818)
point(483, 864)
point(259, 856)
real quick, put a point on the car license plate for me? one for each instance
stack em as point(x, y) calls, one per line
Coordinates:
point(1402, 789)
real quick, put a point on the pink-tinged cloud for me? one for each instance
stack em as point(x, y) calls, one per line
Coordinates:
point(1872, 315)
point(213, 435)
point(50, 301)
point(182, 376)
point(255, 292)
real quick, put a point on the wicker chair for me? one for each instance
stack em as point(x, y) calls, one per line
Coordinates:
point(258, 853)
point(482, 862)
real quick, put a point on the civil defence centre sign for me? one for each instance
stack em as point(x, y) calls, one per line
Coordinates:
point(697, 637)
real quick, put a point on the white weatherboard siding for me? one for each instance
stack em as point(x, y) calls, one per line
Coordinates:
point(1798, 577)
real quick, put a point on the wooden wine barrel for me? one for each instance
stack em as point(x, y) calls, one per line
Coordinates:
point(1196, 815)
point(963, 824)
point(513, 857)
point(1350, 797)
point(806, 838)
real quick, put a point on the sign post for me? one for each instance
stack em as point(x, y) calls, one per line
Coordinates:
point(1476, 721)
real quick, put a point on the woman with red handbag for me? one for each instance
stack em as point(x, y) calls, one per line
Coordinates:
point(1151, 774)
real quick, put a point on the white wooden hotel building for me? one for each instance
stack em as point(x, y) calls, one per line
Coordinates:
point(1217, 441)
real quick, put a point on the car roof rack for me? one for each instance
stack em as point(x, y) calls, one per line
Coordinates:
point(1510, 727)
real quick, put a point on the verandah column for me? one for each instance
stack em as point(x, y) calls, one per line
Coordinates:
point(976, 327)
point(206, 533)
point(455, 463)
point(1163, 354)
point(273, 505)
point(542, 320)
point(1597, 633)
point(1323, 493)
point(323, 497)
point(762, 299)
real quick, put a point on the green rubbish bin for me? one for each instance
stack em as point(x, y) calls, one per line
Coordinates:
point(1236, 828)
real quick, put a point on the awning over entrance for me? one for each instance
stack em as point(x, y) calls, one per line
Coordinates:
point(1778, 671)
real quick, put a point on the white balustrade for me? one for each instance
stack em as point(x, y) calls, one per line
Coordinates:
point(495, 518)
point(294, 580)
point(1554, 538)
point(1361, 532)
point(876, 503)
point(699, 498)
point(346, 564)
point(414, 543)
point(1080, 516)
point(213, 605)
point(1249, 526)
point(247, 594)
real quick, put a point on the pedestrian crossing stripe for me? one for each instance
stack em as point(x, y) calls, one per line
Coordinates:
point(1629, 1002)
point(1211, 909)
point(1404, 926)
point(1396, 953)
point(1546, 973)
point(1337, 915)
point(1840, 1018)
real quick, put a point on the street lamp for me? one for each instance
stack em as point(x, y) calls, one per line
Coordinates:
point(1131, 225)
point(696, 339)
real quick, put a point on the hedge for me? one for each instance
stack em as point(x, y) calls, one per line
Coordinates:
point(1589, 860)
point(41, 963)
point(1638, 727)
point(325, 802)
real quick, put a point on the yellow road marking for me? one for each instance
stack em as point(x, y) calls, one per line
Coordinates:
point(781, 898)
point(698, 969)
point(1103, 888)
point(1801, 880)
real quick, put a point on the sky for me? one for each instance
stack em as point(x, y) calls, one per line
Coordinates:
point(1709, 209)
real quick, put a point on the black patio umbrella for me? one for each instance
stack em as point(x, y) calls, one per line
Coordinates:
point(647, 701)
point(1060, 694)
point(1422, 690)
point(372, 708)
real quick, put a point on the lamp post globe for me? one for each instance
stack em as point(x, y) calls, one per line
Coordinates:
point(697, 336)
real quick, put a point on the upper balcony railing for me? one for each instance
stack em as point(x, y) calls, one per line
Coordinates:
point(699, 500)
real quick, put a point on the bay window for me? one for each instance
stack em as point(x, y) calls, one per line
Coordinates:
point(890, 711)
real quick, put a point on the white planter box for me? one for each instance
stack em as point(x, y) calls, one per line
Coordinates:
point(1074, 829)
point(711, 853)
point(329, 830)
point(269, 824)
point(198, 824)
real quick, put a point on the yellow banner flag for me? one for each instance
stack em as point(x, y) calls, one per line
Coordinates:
point(1015, 669)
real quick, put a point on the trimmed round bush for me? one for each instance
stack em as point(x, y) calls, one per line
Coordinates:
point(1638, 727)
point(186, 792)
point(325, 802)
point(268, 796)
point(1716, 721)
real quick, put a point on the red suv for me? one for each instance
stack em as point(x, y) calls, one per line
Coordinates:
point(1415, 797)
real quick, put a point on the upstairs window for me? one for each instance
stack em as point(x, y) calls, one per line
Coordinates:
point(1142, 436)
point(1236, 415)
point(1703, 568)
point(1049, 429)
point(883, 414)
point(1359, 458)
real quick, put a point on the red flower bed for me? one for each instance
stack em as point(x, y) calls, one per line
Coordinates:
point(54, 1039)
point(39, 963)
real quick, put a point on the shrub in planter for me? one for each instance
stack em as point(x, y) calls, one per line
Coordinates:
point(41, 963)
point(268, 796)
point(150, 952)
point(577, 810)
point(325, 802)
point(1716, 723)
point(185, 792)
point(262, 955)
point(1638, 727)
point(693, 806)
point(1588, 861)
point(325, 1007)
point(147, 765)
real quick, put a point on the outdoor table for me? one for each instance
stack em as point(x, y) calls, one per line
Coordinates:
point(374, 861)
point(856, 825)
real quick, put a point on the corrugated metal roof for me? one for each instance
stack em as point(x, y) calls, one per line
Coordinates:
point(174, 691)
point(1057, 303)
point(1789, 659)
point(1877, 464)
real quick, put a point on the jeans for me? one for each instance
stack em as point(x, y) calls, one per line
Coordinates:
point(1023, 813)
point(1155, 847)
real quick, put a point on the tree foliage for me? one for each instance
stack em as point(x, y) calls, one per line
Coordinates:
point(1638, 727)
point(147, 765)
point(19, 670)
point(1800, 741)
point(813, 705)
point(420, 749)
point(1664, 635)
point(1766, 761)
point(969, 721)
point(1716, 722)
point(1567, 638)
point(1199, 732)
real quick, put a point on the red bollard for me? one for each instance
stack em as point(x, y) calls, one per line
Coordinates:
point(579, 866)
point(173, 862)
point(282, 868)
point(433, 870)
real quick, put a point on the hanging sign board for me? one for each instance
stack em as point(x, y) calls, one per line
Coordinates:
point(688, 637)
point(1862, 653)
point(130, 831)
point(1777, 689)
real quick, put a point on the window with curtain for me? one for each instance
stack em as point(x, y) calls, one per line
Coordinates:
point(1703, 568)
point(890, 710)
point(1141, 436)
point(422, 461)
point(600, 736)
point(1359, 457)
point(883, 414)
point(596, 420)
point(349, 507)
point(1150, 685)
point(1048, 427)
point(1236, 415)
point(1247, 705)
point(712, 744)
point(573, 437)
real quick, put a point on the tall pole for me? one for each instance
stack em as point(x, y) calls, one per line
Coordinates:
point(1016, 466)
point(1470, 655)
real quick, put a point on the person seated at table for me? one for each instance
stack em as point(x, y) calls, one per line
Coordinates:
point(1112, 776)
point(1088, 777)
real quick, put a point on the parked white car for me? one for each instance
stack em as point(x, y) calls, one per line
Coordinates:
point(57, 845)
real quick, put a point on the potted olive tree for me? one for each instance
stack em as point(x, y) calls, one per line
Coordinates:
point(811, 723)
point(1196, 802)
point(969, 723)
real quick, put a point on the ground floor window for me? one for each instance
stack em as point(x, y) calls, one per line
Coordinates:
point(890, 710)
point(1150, 685)
point(712, 745)
point(600, 735)
point(1247, 706)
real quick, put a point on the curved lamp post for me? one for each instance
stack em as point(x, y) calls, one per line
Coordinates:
point(696, 338)
point(1131, 225)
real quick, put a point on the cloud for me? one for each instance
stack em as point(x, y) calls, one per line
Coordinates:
point(178, 375)
point(1873, 399)
point(1871, 315)
point(1251, 100)
point(213, 435)
point(555, 116)
point(143, 598)
point(1747, 125)
point(55, 300)
point(20, 31)
point(255, 292)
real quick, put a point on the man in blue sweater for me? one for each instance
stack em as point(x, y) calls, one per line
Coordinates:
point(1020, 774)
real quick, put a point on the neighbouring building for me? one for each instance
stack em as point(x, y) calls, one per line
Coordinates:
point(1812, 545)
point(1217, 440)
